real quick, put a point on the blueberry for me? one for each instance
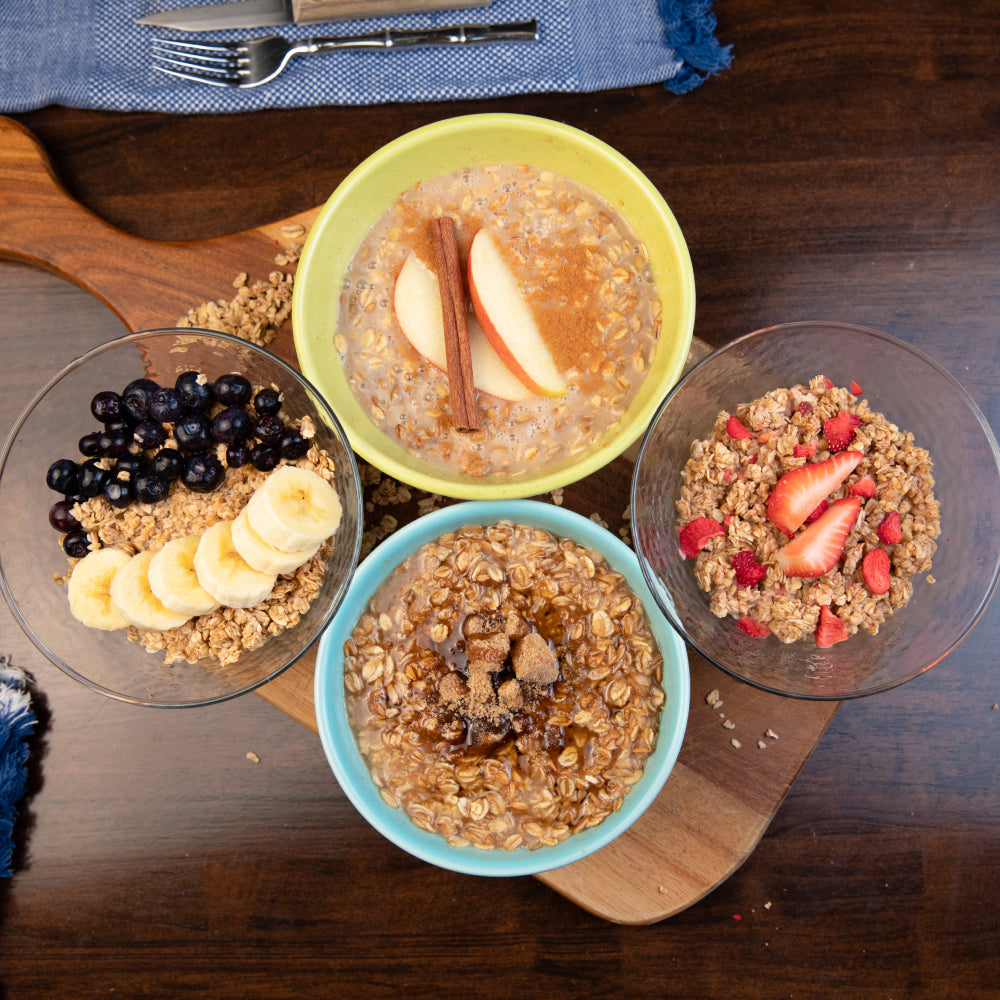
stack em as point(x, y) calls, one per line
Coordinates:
point(293, 445)
point(232, 390)
point(202, 473)
point(76, 544)
point(107, 406)
point(113, 443)
point(90, 446)
point(136, 395)
point(264, 457)
point(194, 391)
point(269, 429)
point(117, 493)
point(231, 425)
point(61, 516)
point(91, 479)
point(165, 405)
point(129, 466)
point(150, 488)
point(237, 455)
point(167, 463)
point(63, 476)
point(193, 432)
point(149, 434)
point(267, 402)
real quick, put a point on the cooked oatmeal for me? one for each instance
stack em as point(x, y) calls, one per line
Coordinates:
point(505, 687)
point(729, 479)
point(226, 633)
point(586, 277)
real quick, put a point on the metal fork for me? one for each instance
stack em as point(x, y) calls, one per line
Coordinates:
point(251, 63)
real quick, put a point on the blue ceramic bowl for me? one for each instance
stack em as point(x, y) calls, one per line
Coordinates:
point(350, 767)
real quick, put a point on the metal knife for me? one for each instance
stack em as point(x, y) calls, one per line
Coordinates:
point(258, 13)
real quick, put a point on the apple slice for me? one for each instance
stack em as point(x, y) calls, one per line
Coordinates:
point(506, 318)
point(416, 298)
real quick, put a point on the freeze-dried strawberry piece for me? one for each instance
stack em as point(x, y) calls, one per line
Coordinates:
point(696, 534)
point(856, 389)
point(818, 548)
point(889, 530)
point(798, 491)
point(827, 382)
point(839, 430)
point(877, 571)
point(804, 450)
point(829, 629)
point(736, 430)
point(818, 512)
point(864, 487)
point(749, 572)
point(753, 627)
point(804, 407)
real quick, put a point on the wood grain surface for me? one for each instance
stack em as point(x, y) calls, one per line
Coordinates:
point(845, 167)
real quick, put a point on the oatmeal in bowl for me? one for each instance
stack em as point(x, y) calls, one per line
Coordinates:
point(498, 695)
point(186, 515)
point(801, 510)
point(568, 280)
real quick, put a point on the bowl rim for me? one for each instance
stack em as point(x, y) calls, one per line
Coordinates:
point(425, 475)
point(350, 768)
point(321, 404)
point(654, 584)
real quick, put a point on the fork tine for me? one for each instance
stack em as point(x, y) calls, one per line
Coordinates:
point(212, 81)
point(197, 50)
point(196, 62)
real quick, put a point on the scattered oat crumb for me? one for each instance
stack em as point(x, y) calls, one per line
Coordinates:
point(712, 698)
point(597, 519)
point(761, 745)
point(736, 743)
point(729, 724)
point(772, 734)
point(767, 905)
point(557, 496)
point(995, 706)
point(661, 890)
point(252, 757)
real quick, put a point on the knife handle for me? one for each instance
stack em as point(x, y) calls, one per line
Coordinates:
point(315, 11)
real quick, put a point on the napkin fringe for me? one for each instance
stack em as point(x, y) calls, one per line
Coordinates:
point(16, 722)
point(690, 31)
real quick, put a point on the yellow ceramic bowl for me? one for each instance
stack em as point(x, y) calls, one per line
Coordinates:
point(440, 148)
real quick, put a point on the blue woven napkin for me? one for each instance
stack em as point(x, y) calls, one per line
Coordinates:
point(16, 721)
point(91, 54)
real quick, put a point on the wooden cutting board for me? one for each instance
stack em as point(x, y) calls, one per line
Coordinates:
point(728, 782)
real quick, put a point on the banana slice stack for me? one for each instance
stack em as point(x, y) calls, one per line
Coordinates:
point(232, 563)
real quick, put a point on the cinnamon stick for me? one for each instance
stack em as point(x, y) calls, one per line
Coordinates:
point(461, 386)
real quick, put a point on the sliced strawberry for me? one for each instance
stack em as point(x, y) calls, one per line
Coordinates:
point(696, 534)
point(749, 572)
point(818, 548)
point(804, 450)
point(753, 627)
point(818, 512)
point(799, 491)
point(839, 430)
point(889, 530)
point(877, 571)
point(864, 487)
point(856, 389)
point(830, 628)
point(736, 430)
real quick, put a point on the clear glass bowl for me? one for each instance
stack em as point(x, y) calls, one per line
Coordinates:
point(31, 554)
point(917, 395)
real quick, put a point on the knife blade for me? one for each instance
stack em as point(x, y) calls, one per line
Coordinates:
point(261, 13)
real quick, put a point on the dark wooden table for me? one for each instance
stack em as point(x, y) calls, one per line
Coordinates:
point(847, 167)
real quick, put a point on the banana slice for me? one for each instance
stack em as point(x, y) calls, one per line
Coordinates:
point(172, 578)
point(294, 509)
point(263, 557)
point(225, 574)
point(90, 589)
point(136, 603)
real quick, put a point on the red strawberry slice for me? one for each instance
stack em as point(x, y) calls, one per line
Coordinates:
point(864, 487)
point(749, 572)
point(753, 627)
point(736, 430)
point(696, 534)
point(799, 492)
point(856, 389)
point(818, 548)
point(804, 450)
point(830, 628)
point(889, 530)
point(877, 571)
point(839, 430)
